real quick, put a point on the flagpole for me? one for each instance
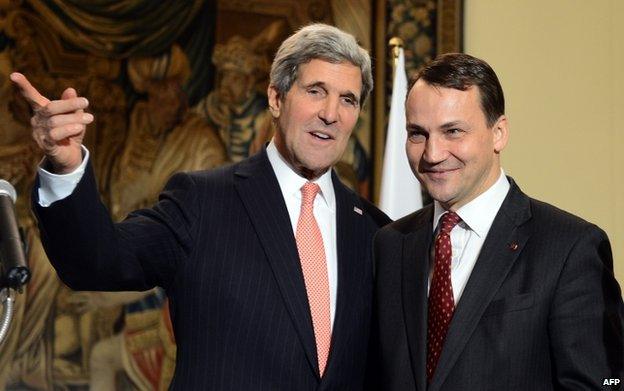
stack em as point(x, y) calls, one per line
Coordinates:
point(396, 44)
point(400, 191)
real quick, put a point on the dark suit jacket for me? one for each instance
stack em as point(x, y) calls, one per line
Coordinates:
point(220, 242)
point(541, 309)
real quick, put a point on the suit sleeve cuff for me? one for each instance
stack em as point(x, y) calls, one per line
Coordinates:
point(55, 187)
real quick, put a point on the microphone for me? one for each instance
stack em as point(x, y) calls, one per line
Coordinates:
point(13, 267)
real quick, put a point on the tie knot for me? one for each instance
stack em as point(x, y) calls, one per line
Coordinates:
point(309, 192)
point(448, 221)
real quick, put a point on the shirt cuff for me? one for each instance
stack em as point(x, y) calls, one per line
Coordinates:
point(55, 187)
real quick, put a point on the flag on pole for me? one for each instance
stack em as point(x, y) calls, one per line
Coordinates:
point(400, 190)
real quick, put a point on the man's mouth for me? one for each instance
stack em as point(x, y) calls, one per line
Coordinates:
point(437, 173)
point(321, 136)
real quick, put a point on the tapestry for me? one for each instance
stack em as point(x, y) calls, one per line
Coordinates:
point(173, 86)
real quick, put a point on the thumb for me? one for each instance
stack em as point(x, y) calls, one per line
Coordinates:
point(69, 93)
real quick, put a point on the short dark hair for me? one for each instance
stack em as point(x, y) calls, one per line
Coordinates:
point(461, 71)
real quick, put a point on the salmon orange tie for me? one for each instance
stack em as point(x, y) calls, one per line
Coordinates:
point(314, 266)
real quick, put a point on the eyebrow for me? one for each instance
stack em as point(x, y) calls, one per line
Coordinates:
point(416, 128)
point(449, 125)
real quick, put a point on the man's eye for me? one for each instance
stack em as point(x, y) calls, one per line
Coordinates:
point(415, 136)
point(350, 101)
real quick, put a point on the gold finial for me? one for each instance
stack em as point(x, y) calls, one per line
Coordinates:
point(395, 44)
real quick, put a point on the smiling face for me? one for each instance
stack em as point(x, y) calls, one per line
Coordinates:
point(316, 116)
point(451, 149)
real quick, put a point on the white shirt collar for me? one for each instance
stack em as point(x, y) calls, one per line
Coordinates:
point(479, 213)
point(291, 182)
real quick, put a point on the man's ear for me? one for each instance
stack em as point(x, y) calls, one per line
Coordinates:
point(500, 133)
point(274, 101)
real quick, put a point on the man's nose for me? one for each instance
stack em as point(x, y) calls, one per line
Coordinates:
point(435, 150)
point(329, 111)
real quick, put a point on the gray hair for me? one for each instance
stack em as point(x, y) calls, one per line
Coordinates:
point(323, 42)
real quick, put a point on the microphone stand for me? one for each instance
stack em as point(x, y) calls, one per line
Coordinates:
point(7, 298)
point(14, 272)
point(13, 282)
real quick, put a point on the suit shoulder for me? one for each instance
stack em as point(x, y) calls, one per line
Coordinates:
point(213, 175)
point(558, 221)
point(211, 180)
point(409, 223)
point(214, 183)
point(379, 218)
point(563, 232)
point(373, 214)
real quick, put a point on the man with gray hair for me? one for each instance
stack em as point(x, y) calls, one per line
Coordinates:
point(266, 290)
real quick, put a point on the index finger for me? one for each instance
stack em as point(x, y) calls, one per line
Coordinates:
point(29, 92)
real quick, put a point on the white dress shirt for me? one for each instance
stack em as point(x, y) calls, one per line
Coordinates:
point(54, 187)
point(324, 211)
point(468, 236)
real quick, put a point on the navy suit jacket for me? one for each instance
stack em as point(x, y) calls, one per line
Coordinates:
point(540, 311)
point(221, 243)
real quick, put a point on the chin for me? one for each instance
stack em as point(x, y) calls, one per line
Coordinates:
point(306, 168)
point(320, 163)
point(440, 196)
point(319, 170)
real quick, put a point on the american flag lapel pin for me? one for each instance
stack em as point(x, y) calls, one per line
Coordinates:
point(357, 210)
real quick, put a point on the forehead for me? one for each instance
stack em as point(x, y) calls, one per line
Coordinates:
point(342, 76)
point(427, 102)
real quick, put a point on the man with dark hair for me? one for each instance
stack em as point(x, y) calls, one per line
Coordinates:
point(267, 263)
point(487, 289)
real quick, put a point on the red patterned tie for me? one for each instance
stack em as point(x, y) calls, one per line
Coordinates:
point(314, 266)
point(441, 302)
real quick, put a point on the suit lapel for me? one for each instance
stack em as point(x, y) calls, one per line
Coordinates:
point(350, 226)
point(415, 272)
point(501, 248)
point(259, 191)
